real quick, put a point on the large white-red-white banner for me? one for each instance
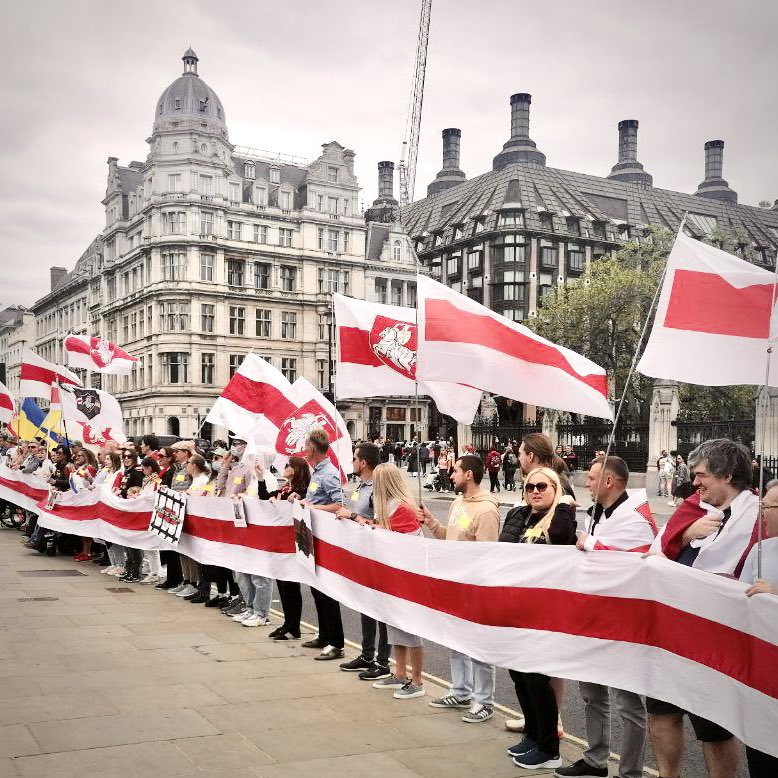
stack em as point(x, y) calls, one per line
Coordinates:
point(463, 341)
point(7, 404)
point(377, 355)
point(714, 320)
point(99, 355)
point(648, 625)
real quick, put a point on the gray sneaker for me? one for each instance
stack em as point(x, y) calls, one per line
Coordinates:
point(409, 691)
point(392, 682)
point(450, 701)
point(478, 713)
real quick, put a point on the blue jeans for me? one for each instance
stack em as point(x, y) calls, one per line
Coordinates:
point(471, 679)
point(257, 592)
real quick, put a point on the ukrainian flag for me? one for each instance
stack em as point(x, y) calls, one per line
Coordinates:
point(32, 421)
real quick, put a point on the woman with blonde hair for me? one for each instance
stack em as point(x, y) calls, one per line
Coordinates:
point(548, 518)
point(395, 510)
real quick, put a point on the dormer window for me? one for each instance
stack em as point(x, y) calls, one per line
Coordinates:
point(396, 251)
point(249, 170)
point(512, 218)
point(275, 175)
point(332, 174)
point(458, 232)
point(176, 103)
point(203, 105)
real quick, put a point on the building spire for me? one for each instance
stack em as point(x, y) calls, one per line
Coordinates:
point(190, 62)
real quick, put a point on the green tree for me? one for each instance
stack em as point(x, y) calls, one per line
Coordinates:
point(601, 316)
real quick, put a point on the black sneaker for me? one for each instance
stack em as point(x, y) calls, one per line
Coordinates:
point(315, 643)
point(375, 673)
point(581, 769)
point(284, 634)
point(355, 665)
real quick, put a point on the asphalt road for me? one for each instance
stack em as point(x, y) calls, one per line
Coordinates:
point(436, 663)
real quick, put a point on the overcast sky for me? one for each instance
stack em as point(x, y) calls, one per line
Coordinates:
point(81, 80)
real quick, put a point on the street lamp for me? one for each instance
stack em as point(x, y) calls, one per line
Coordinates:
point(330, 376)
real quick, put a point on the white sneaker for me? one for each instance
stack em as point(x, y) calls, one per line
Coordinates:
point(243, 615)
point(187, 590)
point(117, 572)
point(150, 579)
point(177, 589)
point(108, 570)
point(256, 621)
point(671, 502)
point(515, 725)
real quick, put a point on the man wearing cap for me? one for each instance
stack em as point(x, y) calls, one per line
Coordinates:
point(181, 453)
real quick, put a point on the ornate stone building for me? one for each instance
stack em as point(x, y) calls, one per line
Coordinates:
point(210, 251)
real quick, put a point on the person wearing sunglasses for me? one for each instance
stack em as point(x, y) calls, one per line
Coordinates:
point(548, 518)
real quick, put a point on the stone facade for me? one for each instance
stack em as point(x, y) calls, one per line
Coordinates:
point(210, 251)
point(16, 334)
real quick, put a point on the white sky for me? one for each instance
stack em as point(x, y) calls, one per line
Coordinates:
point(81, 79)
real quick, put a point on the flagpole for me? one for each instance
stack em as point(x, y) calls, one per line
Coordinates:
point(415, 373)
point(635, 356)
point(765, 400)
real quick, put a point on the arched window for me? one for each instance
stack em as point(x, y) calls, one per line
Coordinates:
point(173, 426)
point(396, 251)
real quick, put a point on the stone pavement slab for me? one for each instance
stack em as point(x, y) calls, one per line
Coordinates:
point(100, 683)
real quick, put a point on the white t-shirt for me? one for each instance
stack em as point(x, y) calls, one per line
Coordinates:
point(769, 563)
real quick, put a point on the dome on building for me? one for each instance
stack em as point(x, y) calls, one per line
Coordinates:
point(190, 99)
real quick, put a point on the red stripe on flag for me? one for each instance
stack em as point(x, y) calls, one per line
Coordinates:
point(355, 347)
point(259, 398)
point(447, 323)
point(30, 372)
point(6, 401)
point(76, 346)
point(24, 489)
point(278, 539)
point(707, 302)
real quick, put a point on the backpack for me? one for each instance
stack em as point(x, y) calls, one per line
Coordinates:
point(511, 460)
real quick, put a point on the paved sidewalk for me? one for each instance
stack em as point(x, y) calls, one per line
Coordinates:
point(96, 680)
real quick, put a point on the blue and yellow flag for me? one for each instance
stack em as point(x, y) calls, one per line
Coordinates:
point(32, 421)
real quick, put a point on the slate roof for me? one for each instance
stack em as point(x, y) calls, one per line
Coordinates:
point(377, 236)
point(587, 198)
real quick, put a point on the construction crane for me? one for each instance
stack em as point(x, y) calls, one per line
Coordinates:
point(410, 150)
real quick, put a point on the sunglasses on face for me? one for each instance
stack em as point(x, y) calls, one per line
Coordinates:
point(541, 487)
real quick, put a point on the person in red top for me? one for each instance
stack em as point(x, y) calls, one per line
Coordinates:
point(396, 511)
point(493, 464)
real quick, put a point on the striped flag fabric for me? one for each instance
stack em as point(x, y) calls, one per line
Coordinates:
point(714, 320)
point(377, 355)
point(655, 627)
point(98, 355)
point(37, 376)
point(463, 341)
point(7, 405)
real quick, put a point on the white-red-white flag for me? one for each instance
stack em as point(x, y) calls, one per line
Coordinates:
point(102, 356)
point(285, 424)
point(463, 341)
point(377, 354)
point(90, 415)
point(37, 375)
point(714, 320)
point(7, 405)
point(255, 387)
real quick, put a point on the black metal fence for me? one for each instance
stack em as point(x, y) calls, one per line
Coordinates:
point(692, 433)
point(630, 442)
point(487, 431)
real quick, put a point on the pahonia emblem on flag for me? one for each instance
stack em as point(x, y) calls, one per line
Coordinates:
point(295, 429)
point(396, 344)
point(88, 402)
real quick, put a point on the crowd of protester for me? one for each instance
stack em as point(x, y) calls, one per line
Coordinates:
point(545, 515)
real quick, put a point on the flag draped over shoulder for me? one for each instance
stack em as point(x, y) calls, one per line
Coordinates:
point(7, 405)
point(102, 356)
point(37, 376)
point(377, 355)
point(461, 340)
point(714, 320)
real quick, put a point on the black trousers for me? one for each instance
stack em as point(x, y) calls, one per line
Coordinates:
point(761, 765)
point(494, 480)
point(538, 704)
point(369, 629)
point(133, 561)
point(221, 576)
point(292, 605)
point(330, 624)
point(174, 577)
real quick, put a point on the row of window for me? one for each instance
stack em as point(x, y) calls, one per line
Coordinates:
point(391, 292)
point(65, 319)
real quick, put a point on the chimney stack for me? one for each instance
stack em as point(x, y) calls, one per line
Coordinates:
point(56, 274)
point(520, 148)
point(628, 168)
point(450, 175)
point(714, 186)
point(385, 207)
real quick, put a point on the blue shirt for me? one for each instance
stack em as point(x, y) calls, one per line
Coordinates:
point(325, 487)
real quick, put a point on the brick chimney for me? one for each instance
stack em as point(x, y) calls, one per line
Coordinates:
point(714, 186)
point(385, 207)
point(520, 147)
point(450, 175)
point(56, 274)
point(628, 168)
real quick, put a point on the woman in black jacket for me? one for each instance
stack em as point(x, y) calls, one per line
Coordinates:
point(547, 518)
